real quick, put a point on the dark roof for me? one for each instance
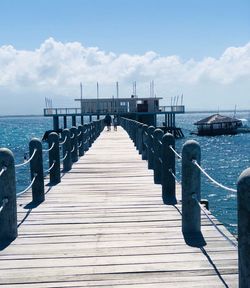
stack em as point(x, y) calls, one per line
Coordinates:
point(215, 119)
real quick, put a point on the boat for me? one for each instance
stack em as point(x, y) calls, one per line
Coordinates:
point(217, 124)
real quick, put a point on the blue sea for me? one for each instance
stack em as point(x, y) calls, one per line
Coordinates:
point(223, 157)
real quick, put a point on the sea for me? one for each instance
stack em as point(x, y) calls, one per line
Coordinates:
point(223, 157)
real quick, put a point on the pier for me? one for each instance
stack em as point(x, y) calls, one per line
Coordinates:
point(99, 219)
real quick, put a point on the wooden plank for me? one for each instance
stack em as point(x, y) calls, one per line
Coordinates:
point(105, 225)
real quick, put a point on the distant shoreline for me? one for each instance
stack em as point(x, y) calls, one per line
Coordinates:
point(186, 112)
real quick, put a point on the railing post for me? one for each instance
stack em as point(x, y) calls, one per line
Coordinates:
point(8, 218)
point(85, 137)
point(36, 170)
point(158, 134)
point(54, 157)
point(67, 162)
point(139, 138)
point(80, 140)
point(150, 151)
point(74, 144)
point(144, 154)
point(191, 215)
point(243, 189)
point(168, 166)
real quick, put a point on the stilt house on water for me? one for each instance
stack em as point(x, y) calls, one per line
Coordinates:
point(144, 110)
point(217, 125)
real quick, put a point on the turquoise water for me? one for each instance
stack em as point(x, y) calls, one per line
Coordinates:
point(223, 157)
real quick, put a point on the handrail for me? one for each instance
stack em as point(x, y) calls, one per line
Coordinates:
point(211, 179)
point(176, 180)
point(4, 202)
point(3, 170)
point(194, 196)
point(27, 161)
point(26, 189)
point(52, 146)
point(177, 154)
point(65, 156)
point(64, 141)
point(51, 167)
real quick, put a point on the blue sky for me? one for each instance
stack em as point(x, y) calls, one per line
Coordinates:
point(188, 28)
point(199, 48)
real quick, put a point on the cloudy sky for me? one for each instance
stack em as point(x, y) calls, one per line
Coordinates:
point(200, 49)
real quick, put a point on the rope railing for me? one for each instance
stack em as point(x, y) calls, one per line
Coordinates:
point(176, 179)
point(27, 161)
point(175, 152)
point(211, 179)
point(64, 141)
point(50, 168)
point(47, 150)
point(3, 170)
point(26, 189)
point(194, 196)
point(4, 202)
point(65, 156)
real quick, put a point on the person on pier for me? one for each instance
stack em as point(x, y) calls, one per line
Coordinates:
point(107, 121)
point(115, 122)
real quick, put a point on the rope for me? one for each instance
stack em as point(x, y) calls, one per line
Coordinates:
point(178, 155)
point(27, 161)
point(64, 140)
point(65, 156)
point(3, 170)
point(25, 190)
point(53, 164)
point(47, 150)
point(4, 202)
point(211, 179)
point(194, 196)
point(172, 173)
point(73, 149)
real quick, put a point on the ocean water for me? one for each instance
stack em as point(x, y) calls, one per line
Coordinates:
point(223, 157)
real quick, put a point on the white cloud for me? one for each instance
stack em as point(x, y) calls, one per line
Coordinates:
point(57, 68)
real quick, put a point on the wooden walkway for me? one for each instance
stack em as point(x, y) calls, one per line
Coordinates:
point(105, 225)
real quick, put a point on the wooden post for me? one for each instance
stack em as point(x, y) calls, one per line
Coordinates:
point(67, 162)
point(80, 140)
point(8, 215)
point(150, 151)
point(74, 120)
point(144, 154)
point(74, 144)
point(85, 137)
point(139, 139)
point(54, 157)
point(36, 169)
point(243, 189)
point(158, 134)
point(65, 122)
point(55, 123)
point(191, 215)
point(168, 166)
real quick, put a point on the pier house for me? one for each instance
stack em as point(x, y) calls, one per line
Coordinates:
point(141, 109)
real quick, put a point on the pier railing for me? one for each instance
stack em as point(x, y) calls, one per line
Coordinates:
point(159, 150)
point(74, 143)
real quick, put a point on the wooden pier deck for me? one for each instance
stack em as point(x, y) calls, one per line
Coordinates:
point(105, 225)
